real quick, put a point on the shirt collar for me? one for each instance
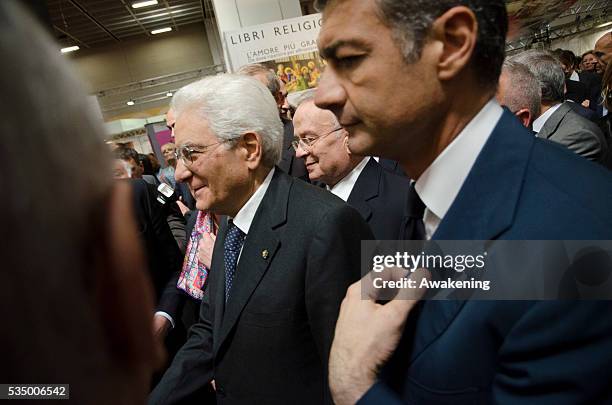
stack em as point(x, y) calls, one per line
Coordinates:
point(345, 186)
point(539, 123)
point(574, 77)
point(245, 216)
point(439, 185)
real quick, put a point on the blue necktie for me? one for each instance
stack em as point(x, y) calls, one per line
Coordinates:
point(231, 250)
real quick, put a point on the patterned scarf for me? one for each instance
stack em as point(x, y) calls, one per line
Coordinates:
point(194, 274)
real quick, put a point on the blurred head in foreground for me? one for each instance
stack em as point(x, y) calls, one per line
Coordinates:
point(75, 302)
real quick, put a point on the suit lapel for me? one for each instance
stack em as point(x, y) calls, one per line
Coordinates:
point(253, 262)
point(366, 189)
point(483, 209)
point(552, 124)
point(217, 271)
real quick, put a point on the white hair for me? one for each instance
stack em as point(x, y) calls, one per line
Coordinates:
point(297, 98)
point(233, 105)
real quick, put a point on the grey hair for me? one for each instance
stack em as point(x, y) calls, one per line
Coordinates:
point(254, 69)
point(411, 22)
point(547, 69)
point(56, 173)
point(523, 90)
point(233, 105)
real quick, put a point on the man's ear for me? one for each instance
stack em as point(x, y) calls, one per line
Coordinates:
point(252, 144)
point(524, 115)
point(345, 143)
point(123, 290)
point(457, 31)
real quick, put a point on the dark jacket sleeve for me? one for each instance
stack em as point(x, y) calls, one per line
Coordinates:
point(176, 222)
point(539, 362)
point(192, 367)
point(332, 267)
point(163, 255)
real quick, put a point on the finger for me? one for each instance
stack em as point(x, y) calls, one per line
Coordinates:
point(407, 298)
point(383, 285)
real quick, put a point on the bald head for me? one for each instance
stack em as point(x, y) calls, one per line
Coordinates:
point(308, 113)
point(327, 158)
point(603, 51)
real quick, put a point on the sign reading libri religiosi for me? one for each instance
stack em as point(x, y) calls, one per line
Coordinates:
point(276, 41)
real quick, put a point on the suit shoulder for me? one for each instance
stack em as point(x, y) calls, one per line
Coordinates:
point(315, 197)
point(319, 204)
point(564, 175)
point(396, 181)
point(582, 123)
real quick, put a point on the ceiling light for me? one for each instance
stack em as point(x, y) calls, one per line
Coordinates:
point(70, 49)
point(131, 102)
point(604, 25)
point(144, 3)
point(169, 94)
point(159, 31)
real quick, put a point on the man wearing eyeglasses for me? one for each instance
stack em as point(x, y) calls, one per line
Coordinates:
point(380, 197)
point(281, 262)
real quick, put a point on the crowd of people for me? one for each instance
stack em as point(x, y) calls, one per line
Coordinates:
point(232, 273)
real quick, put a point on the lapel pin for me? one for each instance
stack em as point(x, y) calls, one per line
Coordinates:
point(264, 253)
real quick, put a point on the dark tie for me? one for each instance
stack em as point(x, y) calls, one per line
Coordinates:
point(234, 238)
point(414, 228)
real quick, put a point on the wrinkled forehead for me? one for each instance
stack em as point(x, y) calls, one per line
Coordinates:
point(192, 128)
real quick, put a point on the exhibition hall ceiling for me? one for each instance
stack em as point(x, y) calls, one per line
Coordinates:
point(95, 23)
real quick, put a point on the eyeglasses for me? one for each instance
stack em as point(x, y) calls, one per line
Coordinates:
point(307, 143)
point(188, 154)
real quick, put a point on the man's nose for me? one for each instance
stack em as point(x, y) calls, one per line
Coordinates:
point(300, 152)
point(181, 172)
point(330, 95)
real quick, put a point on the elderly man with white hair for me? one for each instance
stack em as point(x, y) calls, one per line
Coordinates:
point(281, 263)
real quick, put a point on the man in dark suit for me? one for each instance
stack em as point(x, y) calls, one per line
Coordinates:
point(280, 265)
point(380, 197)
point(580, 86)
point(481, 176)
point(288, 163)
point(557, 121)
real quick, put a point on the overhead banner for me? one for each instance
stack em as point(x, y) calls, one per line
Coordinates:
point(289, 47)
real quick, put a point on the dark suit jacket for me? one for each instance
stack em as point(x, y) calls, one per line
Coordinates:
point(289, 163)
point(381, 198)
point(576, 91)
point(576, 133)
point(271, 342)
point(583, 112)
point(162, 252)
point(509, 352)
point(593, 83)
point(392, 165)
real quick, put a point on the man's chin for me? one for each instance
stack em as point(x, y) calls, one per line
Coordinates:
point(361, 143)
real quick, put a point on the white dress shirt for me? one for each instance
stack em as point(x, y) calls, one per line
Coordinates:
point(344, 187)
point(574, 77)
point(439, 185)
point(244, 217)
point(539, 123)
point(242, 220)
